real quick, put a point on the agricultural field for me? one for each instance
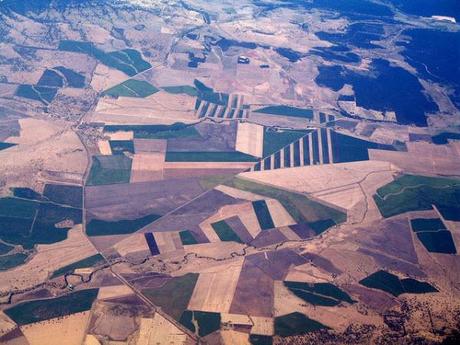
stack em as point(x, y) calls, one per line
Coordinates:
point(207, 172)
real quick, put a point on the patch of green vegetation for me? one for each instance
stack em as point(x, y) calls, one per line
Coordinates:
point(120, 146)
point(225, 232)
point(40, 310)
point(285, 110)
point(73, 78)
point(208, 94)
point(233, 156)
point(295, 324)
point(207, 322)
point(211, 181)
point(263, 214)
point(302, 209)
point(128, 61)
point(88, 262)
point(97, 227)
point(185, 89)
point(26, 193)
point(5, 248)
point(418, 193)
point(431, 224)
point(29, 222)
point(109, 170)
point(51, 78)
point(187, 238)
point(13, 260)
point(256, 339)
point(324, 294)
point(132, 88)
point(390, 283)
point(321, 225)
point(173, 297)
point(4, 146)
point(43, 94)
point(438, 241)
point(276, 140)
point(176, 130)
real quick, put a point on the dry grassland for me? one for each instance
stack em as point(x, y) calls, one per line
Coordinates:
point(159, 108)
point(250, 139)
point(49, 257)
point(214, 290)
point(168, 241)
point(289, 234)
point(423, 158)
point(43, 147)
point(105, 77)
point(159, 331)
point(68, 330)
point(307, 273)
point(6, 324)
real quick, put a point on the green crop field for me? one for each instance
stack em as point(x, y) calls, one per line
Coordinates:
point(207, 322)
point(4, 146)
point(109, 170)
point(233, 156)
point(417, 193)
point(5, 248)
point(263, 214)
point(97, 227)
point(128, 61)
point(185, 89)
point(285, 110)
point(295, 324)
point(30, 222)
point(88, 262)
point(390, 283)
point(276, 140)
point(302, 209)
point(43, 94)
point(324, 294)
point(12, 260)
point(176, 130)
point(174, 295)
point(225, 232)
point(187, 237)
point(40, 310)
point(132, 88)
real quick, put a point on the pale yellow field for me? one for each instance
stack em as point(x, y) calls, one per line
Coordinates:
point(290, 235)
point(147, 167)
point(167, 241)
point(262, 325)
point(121, 135)
point(279, 214)
point(107, 292)
point(232, 337)
point(6, 324)
point(250, 139)
point(214, 290)
point(132, 244)
point(159, 331)
point(307, 273)
point(49, 257)
point(238, 194)
point(159, 108)
point(104, 147)
point(91, 340)
point(235, 319)
point(69, 330)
